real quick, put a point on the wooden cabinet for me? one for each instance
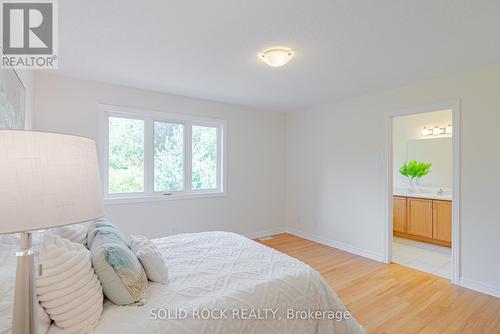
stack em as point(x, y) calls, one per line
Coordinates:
point(441, 221)
point(399, 219)
point(422, 219)
point(419, 216)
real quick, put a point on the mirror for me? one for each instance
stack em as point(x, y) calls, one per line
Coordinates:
point(438, 151)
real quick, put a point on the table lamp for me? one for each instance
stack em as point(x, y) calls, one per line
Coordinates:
point(46, 180)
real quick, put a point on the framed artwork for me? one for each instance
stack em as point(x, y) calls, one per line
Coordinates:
point(12, 112)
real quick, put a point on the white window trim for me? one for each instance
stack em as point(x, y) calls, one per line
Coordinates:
point(149, 116)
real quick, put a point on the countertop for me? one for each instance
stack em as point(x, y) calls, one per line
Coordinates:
point(425, 193)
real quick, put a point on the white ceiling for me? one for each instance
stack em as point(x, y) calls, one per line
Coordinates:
point(208, 48)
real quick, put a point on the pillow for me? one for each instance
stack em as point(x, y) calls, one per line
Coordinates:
point(68, 288)
point(104, 226)
point(75, 233)
point(9, 244)
point(150, 258)
point(121, 274)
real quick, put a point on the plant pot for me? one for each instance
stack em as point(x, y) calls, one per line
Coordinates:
point(411, 186)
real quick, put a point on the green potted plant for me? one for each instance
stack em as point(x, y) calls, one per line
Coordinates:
point(414, 171)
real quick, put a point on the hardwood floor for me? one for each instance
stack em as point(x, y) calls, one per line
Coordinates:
point(392, 298)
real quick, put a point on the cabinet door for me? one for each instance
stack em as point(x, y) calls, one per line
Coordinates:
point(419, 217)
point(399, 214)
point(442, 220)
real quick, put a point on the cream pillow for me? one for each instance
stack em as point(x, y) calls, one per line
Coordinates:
point(75, 233)
point(150, 257)
point(68, 288)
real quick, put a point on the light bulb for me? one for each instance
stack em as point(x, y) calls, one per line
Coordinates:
point(426, 132)
point(437, 131)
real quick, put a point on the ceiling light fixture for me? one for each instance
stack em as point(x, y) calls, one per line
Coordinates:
point(276, 57)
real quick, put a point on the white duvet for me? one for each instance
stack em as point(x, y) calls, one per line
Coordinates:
point(260, 289)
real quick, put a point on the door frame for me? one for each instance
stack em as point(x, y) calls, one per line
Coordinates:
point(455, 226)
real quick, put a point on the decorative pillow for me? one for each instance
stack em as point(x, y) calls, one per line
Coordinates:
point(104, 226)
point(9, 244)
point(68, 288)
point(75, 233)
point(121, 274)
point(150, 257)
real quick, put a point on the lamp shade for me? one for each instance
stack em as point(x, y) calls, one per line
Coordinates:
point(47, 180)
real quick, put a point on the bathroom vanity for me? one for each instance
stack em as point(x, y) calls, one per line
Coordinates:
point(424, 217)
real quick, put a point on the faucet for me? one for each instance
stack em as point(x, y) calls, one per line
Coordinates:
point(440, 191)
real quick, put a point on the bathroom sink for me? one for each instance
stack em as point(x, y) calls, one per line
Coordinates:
point(426, 192)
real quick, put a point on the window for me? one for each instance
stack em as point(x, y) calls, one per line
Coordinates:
point(204, 157)
point(154, 155)
point(169, 156)
point(126, 155)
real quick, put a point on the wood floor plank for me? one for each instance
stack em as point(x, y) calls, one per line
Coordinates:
point(393, 298)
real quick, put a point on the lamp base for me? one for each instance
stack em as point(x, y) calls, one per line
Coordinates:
point(25, 319)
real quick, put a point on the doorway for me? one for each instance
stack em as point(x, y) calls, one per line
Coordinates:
point(422, 202)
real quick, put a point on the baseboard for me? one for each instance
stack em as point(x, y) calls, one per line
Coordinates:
point(463, 282)
point(479, 287)
point(265, 233)
point(335, 244)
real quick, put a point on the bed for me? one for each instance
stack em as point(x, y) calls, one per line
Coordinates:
point(222, 282)
point(217, 271)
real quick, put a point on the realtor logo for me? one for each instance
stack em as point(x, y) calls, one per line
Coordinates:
point(29, 34)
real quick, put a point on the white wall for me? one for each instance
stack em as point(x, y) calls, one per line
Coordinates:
point(405, 128)
point(336, 181)
point(255, 153)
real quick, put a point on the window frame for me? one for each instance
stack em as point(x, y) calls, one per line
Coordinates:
point(105, 111)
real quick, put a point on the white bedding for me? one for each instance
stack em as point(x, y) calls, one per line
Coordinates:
point(225, 271)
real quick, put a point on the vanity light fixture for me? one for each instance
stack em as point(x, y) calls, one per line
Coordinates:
point(276, 57)
point(437, 131)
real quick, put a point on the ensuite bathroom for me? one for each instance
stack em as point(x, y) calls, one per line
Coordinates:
point(423, 191)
